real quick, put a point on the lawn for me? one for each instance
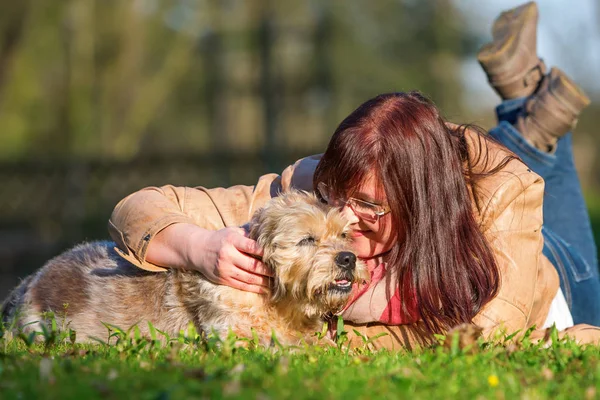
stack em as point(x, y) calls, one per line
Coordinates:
point(188, 367)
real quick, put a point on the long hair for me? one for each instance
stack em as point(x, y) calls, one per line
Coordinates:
point(426, 173)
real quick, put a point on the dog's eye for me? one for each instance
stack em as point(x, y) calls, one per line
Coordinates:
point(307, 241)
point(344, 235)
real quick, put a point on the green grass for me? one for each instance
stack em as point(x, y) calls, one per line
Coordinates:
point(188, 367)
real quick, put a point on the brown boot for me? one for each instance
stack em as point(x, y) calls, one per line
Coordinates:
point(510, 60)
point(552, 111)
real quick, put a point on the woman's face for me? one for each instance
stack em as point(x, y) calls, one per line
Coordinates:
point(371, 236)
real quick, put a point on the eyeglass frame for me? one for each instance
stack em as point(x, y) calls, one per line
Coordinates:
point(322, 187)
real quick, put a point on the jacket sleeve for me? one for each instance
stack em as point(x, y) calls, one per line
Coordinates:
point(137, 219)
point(377, 336)
point(512, 223)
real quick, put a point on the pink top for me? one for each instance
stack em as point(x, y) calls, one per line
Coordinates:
point(379, 299)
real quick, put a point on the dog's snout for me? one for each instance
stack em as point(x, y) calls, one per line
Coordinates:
point(346, 260)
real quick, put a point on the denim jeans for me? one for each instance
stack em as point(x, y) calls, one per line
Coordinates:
point(568, 239)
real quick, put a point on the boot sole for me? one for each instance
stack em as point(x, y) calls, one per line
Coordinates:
point(508, 33)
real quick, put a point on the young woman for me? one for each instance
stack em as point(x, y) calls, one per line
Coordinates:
point(448, 221)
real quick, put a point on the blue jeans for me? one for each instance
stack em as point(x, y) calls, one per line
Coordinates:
point(568, 239)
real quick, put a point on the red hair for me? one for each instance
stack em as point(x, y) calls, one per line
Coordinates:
point(426, 173)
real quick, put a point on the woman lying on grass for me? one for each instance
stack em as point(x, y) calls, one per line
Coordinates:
point(448, 220)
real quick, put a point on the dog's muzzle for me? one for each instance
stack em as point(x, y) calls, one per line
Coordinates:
point(346, 261)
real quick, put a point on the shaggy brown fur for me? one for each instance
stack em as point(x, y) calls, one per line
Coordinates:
point(304, 243)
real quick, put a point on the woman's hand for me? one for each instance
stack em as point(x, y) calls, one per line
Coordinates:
point(225, 257)
point(229, 257)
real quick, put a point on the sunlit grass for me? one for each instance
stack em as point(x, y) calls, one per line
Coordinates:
point(192, 366)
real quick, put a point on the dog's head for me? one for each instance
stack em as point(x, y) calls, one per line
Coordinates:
point(307, 245)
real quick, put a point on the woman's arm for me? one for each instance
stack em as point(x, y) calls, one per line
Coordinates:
point(194, 228)
point(198, 228)
point(225, 257)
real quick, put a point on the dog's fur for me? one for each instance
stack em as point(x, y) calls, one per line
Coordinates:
point(302, 240)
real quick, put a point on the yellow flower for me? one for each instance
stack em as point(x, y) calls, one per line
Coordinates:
point(493, 380)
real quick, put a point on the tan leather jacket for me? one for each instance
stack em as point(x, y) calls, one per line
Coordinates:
point(510, 215)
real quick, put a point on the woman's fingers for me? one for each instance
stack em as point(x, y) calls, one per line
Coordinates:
point(250, 278)
point(246, 287)
point(242, 279)
point(247, 245)
point(251, 265)
point(230, 258)
point(248, 255)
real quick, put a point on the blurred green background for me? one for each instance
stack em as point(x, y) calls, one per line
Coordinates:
point(99, 98)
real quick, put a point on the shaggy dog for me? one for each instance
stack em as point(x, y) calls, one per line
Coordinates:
point(305, 243)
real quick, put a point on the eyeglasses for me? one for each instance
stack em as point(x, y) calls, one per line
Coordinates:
point(363, 209)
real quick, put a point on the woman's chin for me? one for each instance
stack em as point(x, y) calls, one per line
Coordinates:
point(365, 248)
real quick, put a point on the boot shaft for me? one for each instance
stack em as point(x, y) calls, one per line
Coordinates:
point(510, 60)
point(552, 111)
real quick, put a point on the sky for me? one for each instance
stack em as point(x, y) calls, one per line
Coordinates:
point(568, 37)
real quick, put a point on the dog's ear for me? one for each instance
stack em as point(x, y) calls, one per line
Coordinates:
point(253, 227)
point(264, 222)
point(266, 219)
point(260, 225)
point(278, 290)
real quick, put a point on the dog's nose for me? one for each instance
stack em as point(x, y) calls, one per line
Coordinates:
point(346, 260)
